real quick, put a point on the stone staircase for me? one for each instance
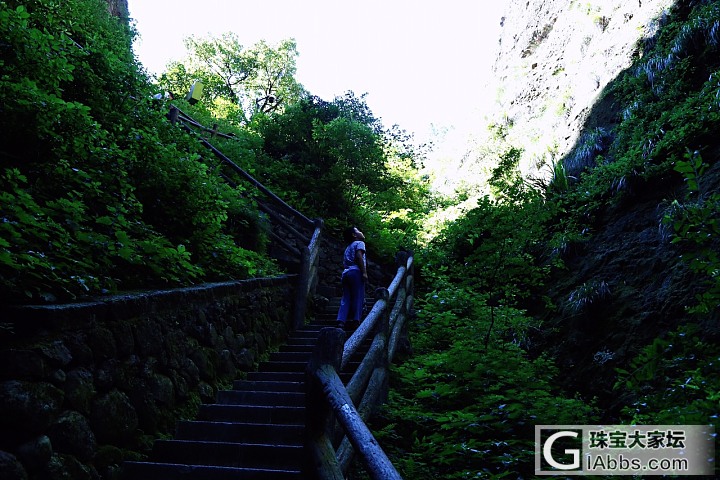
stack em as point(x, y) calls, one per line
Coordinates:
point(254, 431)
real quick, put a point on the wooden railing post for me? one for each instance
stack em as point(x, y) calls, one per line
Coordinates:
point(302, 289)
point(173, 114)
point(384, 332)
point(315, 247)
point(319, 418)
point(309, 258)
point(404, 340)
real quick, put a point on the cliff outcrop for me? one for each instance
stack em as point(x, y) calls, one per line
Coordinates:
point(554, 59)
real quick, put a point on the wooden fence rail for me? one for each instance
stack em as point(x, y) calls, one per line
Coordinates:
point(327, 398)
point(308, 253)
point(329, 402)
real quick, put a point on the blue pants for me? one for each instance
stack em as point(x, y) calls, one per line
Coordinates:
point(353, 298)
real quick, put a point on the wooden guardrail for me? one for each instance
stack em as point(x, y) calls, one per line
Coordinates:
point(309, 262)
point(328, 398)
point(308, 252)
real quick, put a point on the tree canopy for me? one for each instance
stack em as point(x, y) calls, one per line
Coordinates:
point(238, 82)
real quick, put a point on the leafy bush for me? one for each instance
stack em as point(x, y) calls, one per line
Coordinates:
point(673, 380)
point(463, 406)
point(590, 146)
point(587, 294)
point(335, 160)
point(90, 170)
point(696, 226)
point(457, 408)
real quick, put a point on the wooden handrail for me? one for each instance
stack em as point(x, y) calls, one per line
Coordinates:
point(183, 117)
point(187, 119)
point(326, 396)
point(365, 409)
point(309, 255)
point(396, 281)
point(359, 335)
point(376, 461)
point(359, 381)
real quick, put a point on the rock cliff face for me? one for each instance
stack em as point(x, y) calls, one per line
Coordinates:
point(554, 59)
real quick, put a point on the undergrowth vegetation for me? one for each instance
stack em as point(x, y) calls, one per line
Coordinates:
point(464, 405)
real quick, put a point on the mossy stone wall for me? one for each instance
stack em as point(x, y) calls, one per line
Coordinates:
point(85, 386)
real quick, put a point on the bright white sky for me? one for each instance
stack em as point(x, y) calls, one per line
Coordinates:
point(421, 62)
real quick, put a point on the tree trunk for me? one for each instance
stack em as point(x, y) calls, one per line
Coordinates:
point(119, 8)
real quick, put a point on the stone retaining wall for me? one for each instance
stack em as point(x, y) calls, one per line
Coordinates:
point(85, 386)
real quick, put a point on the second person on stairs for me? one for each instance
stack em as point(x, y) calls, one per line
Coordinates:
point(354, 278)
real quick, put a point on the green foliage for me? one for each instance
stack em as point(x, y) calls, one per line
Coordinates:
point(695, 225)
point(464, 408)
point(90, 170)
point(559, 181)
point(674, 380)
point(333, 160)
point(465, 405)
point(336, 161)
point(586, 153)
point(587, 294)
point(238, 82)
point(494, 245)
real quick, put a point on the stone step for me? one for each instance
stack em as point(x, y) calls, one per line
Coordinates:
point(268, 386)
point(305, 334)
point(310, 327)
point(228, 454)
point(307, 348)
point(174, 471)
point(255, 433)
point(279, 376)
point(252, 397)
point(334, 303)
point(285, 376)
point(284, 415)
point(282, 366)
point(325, 320)
point(290, 357)
point(301, 341)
